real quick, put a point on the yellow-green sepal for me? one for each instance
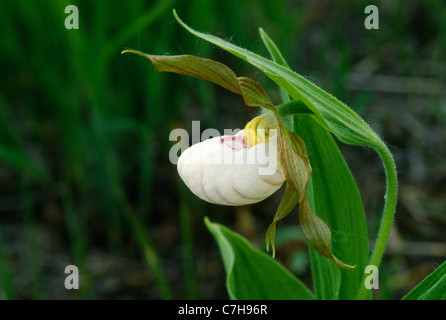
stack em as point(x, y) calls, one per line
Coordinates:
point(214, 71)
point(288, 202)
point(297, 171)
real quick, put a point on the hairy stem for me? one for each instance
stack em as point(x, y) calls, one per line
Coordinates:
point(388, 213)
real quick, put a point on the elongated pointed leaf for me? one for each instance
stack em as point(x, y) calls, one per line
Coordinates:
point(334, 197)
point(274, 51)
point(327, 278)
point(433, 287)
point(332, 279)
point(297, 171)
point(330, 112)
point(251, 274)
point(332, 115)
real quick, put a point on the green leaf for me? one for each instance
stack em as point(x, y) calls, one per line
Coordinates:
point(297, 170)
point(274, 51)
point(292, 148)
point(276, 55)
point(251, 274)
point(330, 112)
point(433, 287)
point(334, 197)
point(329, 286)
point(333, 116)
point(327, 278)
point(293, 108)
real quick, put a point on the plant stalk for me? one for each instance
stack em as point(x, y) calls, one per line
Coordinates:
point(388, 213)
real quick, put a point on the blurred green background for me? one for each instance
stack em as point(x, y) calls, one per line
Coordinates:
point(85, 177)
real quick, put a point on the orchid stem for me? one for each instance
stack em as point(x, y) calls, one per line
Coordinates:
point(388, 213)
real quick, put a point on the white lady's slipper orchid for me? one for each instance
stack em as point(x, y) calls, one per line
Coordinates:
point(227, 171)
point(251, 165)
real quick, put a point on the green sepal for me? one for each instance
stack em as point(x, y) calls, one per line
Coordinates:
point(214, 71)
point(288, 202)
point(294, 160)
point(297, 171)
point(319, 234)
point(253, 94)
point(293, 154)
point(197, 67)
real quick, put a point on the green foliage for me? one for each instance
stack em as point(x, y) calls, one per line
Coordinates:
point(348, 127)
point(330, 112)
point(251, 274)
point(84, 130)
point(334, 192)
point(336, 199)
point(433, 287)
point(292, 150)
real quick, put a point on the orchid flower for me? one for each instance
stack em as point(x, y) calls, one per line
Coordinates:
point(253, 164)
point(233, 170)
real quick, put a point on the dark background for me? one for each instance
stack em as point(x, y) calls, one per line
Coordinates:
point(85, 177)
